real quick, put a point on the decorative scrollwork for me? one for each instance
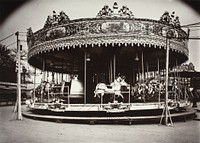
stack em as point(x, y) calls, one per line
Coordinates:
point(94, 28)
point(55, 33)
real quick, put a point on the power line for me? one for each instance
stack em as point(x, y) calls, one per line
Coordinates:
point(12, 35)
point(195, 30)
point(22, 35)
point(23, 40)
point(195, 26)
point(192, 24)
point(11, 44)
point(22, 32)
point(194, 38)
point(6, 37)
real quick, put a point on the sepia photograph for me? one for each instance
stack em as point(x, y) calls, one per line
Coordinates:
point(99, 71)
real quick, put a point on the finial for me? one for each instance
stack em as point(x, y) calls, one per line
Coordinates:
point(107, 12)
point(115, 6)
point(56, 19)
point(170, 19)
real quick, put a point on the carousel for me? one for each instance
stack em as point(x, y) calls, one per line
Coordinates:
point(110, 67)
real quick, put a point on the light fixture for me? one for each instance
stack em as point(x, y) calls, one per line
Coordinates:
point(51, 63)
point(88, 57)
point(136, 57)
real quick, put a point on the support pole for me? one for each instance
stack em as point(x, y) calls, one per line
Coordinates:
point(114, 67)
point(147, 70)
point(142, 66)
point(43, 72)
point(139, 78)
point(53, 78)
point(111, 71)
point(34, 86)
point(159, 82)
point(47, 76)
point(19, 112)
point(101, 101)
point(62, 73)
point(43, 78)
point(68, 98)
point(56, 78)
point(178, 81)
point(129, 95)
point(85, 77)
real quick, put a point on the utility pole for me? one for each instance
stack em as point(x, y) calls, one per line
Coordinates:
point(166, 86)
point(19, 112)
point(166, 111)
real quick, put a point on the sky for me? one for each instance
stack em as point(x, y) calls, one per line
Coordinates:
point(34, 14)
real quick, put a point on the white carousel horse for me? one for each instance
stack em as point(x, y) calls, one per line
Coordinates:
point(115, 88)
point(100, 90)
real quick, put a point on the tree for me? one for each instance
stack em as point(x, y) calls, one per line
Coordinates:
point(6, 60)
point(7, 65)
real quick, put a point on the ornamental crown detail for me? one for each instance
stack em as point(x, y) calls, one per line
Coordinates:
point(56, 19)
point(106, 11)
point(170, 19)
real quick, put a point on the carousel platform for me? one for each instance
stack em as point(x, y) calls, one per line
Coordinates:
point(95, 113)
point(197, 116)
point(198, 111)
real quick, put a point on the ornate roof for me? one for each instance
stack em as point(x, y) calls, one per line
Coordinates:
point(109, 27)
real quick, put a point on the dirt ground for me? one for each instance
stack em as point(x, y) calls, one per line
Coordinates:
point(34, 131)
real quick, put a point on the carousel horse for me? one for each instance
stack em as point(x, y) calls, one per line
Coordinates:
point(100, 90)
point(114, 88)
point(148, 89)
point(143, 91)
point(140, 91)
point(45, 89)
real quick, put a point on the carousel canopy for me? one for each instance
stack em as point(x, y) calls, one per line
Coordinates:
point(62, 42)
